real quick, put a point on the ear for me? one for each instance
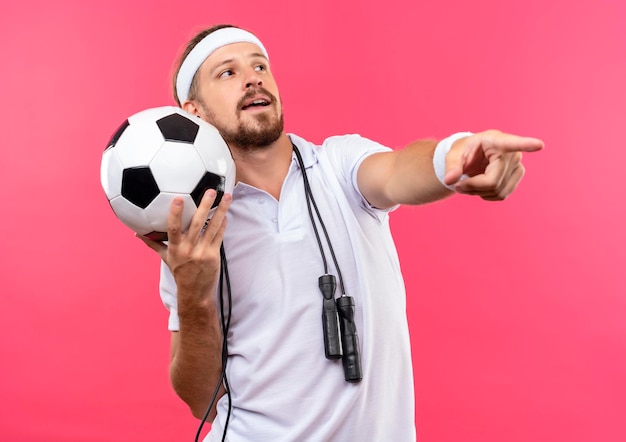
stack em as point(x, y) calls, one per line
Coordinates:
point(192, 108)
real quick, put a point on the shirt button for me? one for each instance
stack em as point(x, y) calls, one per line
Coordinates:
point(261, 201)
point(274, 219)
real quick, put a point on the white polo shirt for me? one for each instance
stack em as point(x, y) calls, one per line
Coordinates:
point(283, 388)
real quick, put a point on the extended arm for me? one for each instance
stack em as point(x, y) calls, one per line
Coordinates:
point(489, 163)
point(194, 260)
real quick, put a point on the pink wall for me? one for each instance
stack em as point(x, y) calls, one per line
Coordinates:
point(517, 309)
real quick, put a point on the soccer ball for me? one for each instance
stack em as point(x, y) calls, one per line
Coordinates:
point(158, 154)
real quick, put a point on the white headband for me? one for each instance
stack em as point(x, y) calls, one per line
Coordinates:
point(206, 47)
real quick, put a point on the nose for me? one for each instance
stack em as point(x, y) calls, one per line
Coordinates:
point(253, 79)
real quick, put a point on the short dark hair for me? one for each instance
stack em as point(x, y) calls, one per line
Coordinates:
point(194, 88)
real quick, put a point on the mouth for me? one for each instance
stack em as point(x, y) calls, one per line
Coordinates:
point(257, 102)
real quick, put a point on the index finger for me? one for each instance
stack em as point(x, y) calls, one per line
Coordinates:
point(510, 143)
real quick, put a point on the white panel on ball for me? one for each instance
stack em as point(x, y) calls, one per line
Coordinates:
point(177, 167)
point(131, 215)
point(213, 149)
point(215, 154)
point(139, 144)
point(111, 170)
point(158, 211)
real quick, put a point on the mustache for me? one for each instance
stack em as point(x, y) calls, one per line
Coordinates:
point(253, 92)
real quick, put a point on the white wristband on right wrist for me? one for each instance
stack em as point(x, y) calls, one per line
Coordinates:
point(439, 157)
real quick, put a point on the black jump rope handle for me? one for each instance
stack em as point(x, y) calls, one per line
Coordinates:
point(349, 339)
point(340, 337)
point(330, 317)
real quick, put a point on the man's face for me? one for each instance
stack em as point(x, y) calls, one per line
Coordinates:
point(238, 95)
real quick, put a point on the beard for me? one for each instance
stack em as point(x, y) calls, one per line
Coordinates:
point(264, 132)
point(259, 134)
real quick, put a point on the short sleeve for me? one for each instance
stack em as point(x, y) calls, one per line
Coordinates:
point(167, 289)
point(346, 153)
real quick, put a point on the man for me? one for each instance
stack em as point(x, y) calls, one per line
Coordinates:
point(281, 384)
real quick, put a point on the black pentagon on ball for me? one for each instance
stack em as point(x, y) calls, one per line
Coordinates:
point(175, 127)
point(209, 181)
point(139, 186)
point(118, 133)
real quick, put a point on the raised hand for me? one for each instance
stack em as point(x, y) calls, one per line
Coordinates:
point(193, 257)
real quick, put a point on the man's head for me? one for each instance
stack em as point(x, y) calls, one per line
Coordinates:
point(223, 76)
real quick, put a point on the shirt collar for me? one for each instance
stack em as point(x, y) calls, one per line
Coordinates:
point(309, 158)
point(307, 150)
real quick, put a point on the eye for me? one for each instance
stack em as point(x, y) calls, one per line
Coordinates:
point(260, 68)
point(226, 73)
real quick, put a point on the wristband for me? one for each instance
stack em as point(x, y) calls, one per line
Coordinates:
point(439, 157)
